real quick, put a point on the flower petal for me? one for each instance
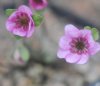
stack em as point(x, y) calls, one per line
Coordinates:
point(64, 43)
point(9, 23)
point(38, 6)
point(84, 58)
point(25, 9)
point(30, 32)
point(71, 30)
point(19, 32)
point(94, 49)
point(72, 58)
point(85, 32)
point(31, 29)
point(61, 53)
point(88, 35)
point(10, 26)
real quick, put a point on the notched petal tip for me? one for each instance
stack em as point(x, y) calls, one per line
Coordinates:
point(72, 58)
point(95, 48)
point(83, 59)
point(70, 27)
point(26, 9)
point(71, 30)
point(62, 53)
point(64, 43)
point(86, 33)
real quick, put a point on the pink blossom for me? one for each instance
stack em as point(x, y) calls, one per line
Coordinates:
point(38, 4)
point(20, 22)
point(76, 46)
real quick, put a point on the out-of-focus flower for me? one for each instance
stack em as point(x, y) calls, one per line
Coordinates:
point(38, 4)
point(20, 22)
point(18, 59)
point(21, 55)
point(77, 45)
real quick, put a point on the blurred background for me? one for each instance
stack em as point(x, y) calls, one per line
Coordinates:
point(43, 67)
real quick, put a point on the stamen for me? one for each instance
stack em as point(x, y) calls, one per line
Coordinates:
point(79, 45)
point(38, 1)
point(22, 20)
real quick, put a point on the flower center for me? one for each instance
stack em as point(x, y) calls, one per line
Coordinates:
point(38, 1)
point(22, 20)
point(79, 45)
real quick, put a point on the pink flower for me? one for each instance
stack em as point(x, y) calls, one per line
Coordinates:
point(77, 45)
point(38, 4)
point(20, 22)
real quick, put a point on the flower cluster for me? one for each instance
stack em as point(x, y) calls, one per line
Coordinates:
point(21, 22)
point(77, 45)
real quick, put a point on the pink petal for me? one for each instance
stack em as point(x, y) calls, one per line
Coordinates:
point(64, 42)
point(19, 32)
point(72, 58)
point(30, 32)
point(94, 49)
point(25, 9)
point(83, 59)
point(31, 29)
point(45, 2)
point(10, 26)
point(9, 23)
point(88, 35)
point(38, 6)
point(62, 53)
point(85, 33)
point(71, 30)
point(13, 15)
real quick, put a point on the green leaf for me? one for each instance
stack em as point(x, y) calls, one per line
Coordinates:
point(95, 33)
point(9, 11)
point(40, 12)
point(24, 53)
point(87, 27)
point(37, 19)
